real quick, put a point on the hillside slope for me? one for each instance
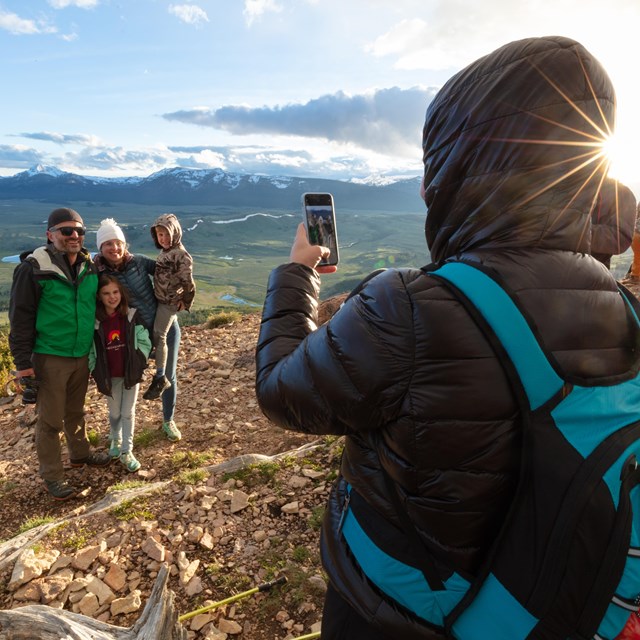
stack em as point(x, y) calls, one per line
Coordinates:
point(222, 533)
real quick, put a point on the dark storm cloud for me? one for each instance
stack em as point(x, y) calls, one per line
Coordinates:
point(386, 121)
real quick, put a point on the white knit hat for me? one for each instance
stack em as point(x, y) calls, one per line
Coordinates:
point(109, 230)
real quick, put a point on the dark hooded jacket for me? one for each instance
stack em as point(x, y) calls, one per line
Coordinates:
point(403, 371)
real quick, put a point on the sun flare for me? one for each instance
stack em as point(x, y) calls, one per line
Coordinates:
point(622, 158)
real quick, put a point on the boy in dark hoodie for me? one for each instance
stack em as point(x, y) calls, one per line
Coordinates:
point(174, 289)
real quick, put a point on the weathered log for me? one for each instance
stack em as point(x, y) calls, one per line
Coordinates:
point(159, 621)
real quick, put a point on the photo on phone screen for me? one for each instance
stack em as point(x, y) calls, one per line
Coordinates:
point(320, 218)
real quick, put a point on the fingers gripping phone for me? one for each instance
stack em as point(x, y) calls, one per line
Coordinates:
point(320, 219)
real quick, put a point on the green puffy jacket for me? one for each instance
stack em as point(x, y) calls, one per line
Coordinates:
point(49, 312)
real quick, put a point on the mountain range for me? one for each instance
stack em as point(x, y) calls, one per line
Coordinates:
point(180, 187)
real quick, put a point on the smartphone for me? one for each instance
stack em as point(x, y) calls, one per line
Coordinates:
point(320, 219)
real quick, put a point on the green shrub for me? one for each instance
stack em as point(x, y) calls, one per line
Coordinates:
point(191, 477)
point(201, 316)
point(222, 318)
point(129, 509)
point(6, 363)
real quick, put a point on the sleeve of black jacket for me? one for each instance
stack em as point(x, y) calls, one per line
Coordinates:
point(23, 308)
point(346, 376)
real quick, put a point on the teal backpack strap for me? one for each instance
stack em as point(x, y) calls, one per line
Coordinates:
point(538, 377)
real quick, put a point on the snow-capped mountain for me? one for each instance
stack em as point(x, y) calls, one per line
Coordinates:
point(177, 186)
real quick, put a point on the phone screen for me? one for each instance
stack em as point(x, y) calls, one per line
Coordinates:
point(320, 218)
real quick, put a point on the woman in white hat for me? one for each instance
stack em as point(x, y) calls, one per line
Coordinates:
point(136, 272)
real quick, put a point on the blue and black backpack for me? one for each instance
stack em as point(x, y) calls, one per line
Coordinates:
point(566, 564)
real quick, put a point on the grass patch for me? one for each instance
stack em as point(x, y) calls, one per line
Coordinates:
point(94, 437)
point(317, 515)
point(129, 509)
point(227, 583)
point(273, 562)
point(190, 460)
point(222, 319)
point(146, 437)
point(301, 554)
point(124, 486)
point(255, 474)
point(295, 589)
point(191, 476)
point(34, 522)
point(7, 486)
point(78, 539)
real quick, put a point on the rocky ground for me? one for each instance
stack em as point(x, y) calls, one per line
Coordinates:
point(235, 503)
point(223, 527)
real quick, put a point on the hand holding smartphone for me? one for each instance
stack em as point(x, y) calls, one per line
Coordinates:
point(320, 220)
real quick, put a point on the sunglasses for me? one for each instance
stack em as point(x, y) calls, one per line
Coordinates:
point(68, 231)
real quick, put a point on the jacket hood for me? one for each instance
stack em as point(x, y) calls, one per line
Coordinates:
point(513, 149)
point(170, 222)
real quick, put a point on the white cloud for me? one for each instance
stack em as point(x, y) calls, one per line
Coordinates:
point(384, 121)
point(453, 33)
point(82, 4)
point(189, 13)
point(18, 156)
point(64, 138)
point(16, 25)
point(325, 160)
point(254, 9)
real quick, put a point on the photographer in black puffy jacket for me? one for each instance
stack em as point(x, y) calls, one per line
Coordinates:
point(403, 371)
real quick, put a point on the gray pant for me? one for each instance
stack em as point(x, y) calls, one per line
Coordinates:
point(122, 413)
point(60, 407)
point(165, 315)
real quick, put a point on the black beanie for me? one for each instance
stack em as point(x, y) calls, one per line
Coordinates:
point(63, 215)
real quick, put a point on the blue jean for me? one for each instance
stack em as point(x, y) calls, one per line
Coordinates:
point(165, 316)
point(169, 395)
point(122, 413)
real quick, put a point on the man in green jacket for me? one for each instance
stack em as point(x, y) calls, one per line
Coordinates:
point(52, 313)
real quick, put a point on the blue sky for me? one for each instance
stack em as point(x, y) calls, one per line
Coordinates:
point(328, 88)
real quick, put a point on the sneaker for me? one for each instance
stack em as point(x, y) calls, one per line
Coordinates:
point(171, 431)
point(114, 449)
point(95, 459)
point(158, 385)
point(60, 489)
point(129, 461)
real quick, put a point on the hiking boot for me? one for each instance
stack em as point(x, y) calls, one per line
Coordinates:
point(171, 431)
point(95, 459)
point(157, 386)
point(114, 449)
point(60, 489)
point(129, 461)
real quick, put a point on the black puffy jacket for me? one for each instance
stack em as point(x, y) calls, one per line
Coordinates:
point(401, 369)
